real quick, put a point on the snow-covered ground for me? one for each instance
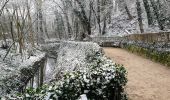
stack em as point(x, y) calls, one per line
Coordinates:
point(11, 66)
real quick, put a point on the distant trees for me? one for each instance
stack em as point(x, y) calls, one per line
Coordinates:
point(157, 13)
point(26, 20)
point(2, 28)
point(17, 24)
point(81, 17)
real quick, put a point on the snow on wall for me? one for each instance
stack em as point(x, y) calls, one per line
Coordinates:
point(72, 55)
point(11, 69)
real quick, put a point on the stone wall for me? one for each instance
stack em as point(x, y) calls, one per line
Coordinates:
point(150, 37)
point(17, 70)
point(154, 46)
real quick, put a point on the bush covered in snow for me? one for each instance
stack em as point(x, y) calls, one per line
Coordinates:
point(100, 80)
point(72, 56)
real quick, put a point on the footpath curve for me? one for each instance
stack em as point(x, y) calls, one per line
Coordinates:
point(147, 80)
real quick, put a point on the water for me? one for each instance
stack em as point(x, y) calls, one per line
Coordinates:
point(49, 69)
point(48, 74)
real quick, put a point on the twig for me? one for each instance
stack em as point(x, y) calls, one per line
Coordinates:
point(1, 10)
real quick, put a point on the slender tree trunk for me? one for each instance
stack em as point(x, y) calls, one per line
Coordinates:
point(4, 37)
point(110, 11)
point(41, 24)
point(40, 30)
point(148, 12)
point(11, 29)
point(104, 4)
point(139, 11)
point(127, 11)
point(83, 17)
point(31, 36)
point(98, 14)
point(45, 29)
point(104, 26)
point(156, 12)
point(20, 36)
point(68, 26)
point(76, 27)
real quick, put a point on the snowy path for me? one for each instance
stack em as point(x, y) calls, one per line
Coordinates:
point(147, 80)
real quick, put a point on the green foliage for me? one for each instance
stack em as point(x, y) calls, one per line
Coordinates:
point(100, 80)
point(162, 57)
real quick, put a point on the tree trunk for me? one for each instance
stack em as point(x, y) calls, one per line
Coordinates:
point(148, 12)
point(83, 17)
point(45, 29)
point(98, 15)
point(127, 11)
point(156, 12)
point(40, 31)
point(139, 11)
point(104, 26)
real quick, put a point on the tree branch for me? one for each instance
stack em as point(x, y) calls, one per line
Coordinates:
point(1, 10)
